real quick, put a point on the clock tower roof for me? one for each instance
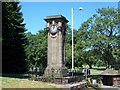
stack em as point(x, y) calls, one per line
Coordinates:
point(52, 17)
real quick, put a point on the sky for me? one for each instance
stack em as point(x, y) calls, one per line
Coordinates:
point(34, 13)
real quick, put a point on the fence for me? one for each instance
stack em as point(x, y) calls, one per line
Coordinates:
point(72, 76)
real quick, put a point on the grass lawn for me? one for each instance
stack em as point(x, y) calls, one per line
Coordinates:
point(97, 70)
point(10, 82)
point(19, 81)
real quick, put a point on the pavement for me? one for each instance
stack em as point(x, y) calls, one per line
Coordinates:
point(74, 86)
point(109, 88)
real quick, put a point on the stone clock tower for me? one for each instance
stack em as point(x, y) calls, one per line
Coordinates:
point(56, 28)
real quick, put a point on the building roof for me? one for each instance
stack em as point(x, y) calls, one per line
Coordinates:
point(109, 72)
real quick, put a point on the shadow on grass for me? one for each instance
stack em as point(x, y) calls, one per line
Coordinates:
point(21, 76)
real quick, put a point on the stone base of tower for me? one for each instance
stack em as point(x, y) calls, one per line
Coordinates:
point(55, 72)
point(59, 75)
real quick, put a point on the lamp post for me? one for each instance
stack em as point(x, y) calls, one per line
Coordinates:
point(72, 37)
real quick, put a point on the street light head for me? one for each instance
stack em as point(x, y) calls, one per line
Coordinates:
point(80, 8)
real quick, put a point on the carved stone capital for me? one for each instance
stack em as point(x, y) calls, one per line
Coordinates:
point(47, 28)
point(59, 28)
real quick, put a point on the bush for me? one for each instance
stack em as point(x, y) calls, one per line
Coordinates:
point(95, 86)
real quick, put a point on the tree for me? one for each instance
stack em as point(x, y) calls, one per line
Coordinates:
point(79, 48)
point(68, 47)
point(13, 55)
point(101, 33)
point(116, 55)
point(36, 49)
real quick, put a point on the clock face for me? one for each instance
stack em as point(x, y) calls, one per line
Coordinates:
point(53, 29)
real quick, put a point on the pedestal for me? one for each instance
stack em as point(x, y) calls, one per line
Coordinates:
point(55, 72)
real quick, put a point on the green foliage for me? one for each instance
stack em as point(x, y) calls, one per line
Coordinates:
point(68, 47)
point(95, 86)
point(13, 38)
point(116, 55)
point(36, 49)
point(99, 63)
point(100, 36)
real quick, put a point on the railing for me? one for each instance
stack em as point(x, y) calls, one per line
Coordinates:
point(72, 76)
